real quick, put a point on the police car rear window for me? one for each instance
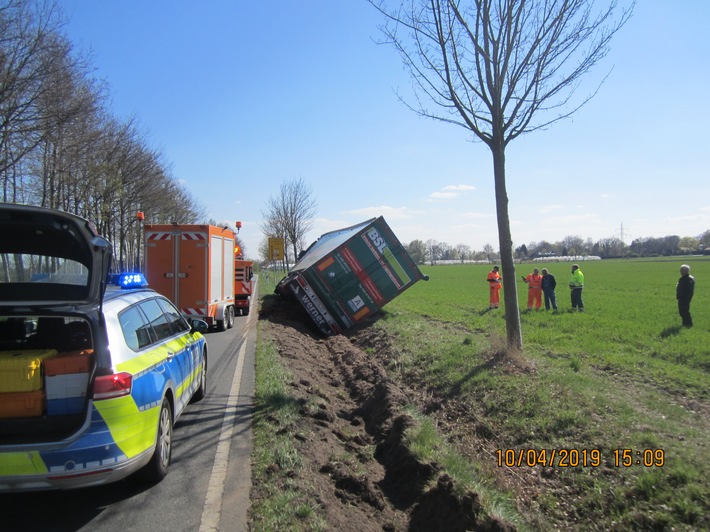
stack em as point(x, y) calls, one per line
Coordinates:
point(32, 277)
point(136, 331)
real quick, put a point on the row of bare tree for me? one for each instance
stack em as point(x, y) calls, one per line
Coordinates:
point(61, 148)
point(432, 251)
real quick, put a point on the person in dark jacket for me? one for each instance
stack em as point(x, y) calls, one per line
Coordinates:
point(684, 293)
point(548, 289)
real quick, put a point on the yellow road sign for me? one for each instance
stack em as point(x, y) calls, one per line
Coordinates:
point(276, 248)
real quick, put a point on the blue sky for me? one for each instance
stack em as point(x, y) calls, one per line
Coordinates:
point(241, 96)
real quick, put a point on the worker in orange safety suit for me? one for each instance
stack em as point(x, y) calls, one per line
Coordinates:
point(534, 282)
point(495, 283)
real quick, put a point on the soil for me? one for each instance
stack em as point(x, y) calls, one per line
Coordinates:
point(353, 463)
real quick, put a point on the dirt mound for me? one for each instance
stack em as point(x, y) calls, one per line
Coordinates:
point(350, 435)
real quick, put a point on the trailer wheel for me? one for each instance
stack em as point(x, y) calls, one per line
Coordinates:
point(228, 320)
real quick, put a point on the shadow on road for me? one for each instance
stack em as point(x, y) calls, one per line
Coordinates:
point(63, 510)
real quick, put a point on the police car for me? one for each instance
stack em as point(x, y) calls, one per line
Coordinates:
point(92, 379)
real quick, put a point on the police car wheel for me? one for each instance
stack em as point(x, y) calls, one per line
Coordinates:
point(202, 390)
point(157, 468)
point(230, 317)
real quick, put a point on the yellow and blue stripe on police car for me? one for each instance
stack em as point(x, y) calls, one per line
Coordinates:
point(121, 428)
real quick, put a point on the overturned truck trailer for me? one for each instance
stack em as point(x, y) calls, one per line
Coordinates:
point(349, 274)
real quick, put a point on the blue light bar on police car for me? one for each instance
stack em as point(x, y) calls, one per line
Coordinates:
point(132, 280)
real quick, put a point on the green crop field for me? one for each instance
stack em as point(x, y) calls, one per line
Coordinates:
point(621, 375)
point(631, 317)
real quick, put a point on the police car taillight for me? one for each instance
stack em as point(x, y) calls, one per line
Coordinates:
point(111, 386)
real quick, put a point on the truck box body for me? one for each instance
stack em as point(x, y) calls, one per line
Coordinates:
point(193, 266)
point(349, 274)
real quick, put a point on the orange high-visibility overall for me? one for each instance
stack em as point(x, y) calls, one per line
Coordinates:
point(495, 284)
point(534, 290)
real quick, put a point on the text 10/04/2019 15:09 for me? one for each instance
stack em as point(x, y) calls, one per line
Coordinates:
point(579, 458)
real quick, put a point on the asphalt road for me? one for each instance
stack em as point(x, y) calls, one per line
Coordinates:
point(208, 485)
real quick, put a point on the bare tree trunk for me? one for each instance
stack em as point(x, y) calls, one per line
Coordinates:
point(514, 335)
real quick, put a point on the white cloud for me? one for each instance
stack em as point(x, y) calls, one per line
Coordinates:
point(325, 225)
point(443, 195)
point(450, 192)
point(690, 218)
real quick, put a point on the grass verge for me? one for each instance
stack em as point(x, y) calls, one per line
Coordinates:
point(280, 505)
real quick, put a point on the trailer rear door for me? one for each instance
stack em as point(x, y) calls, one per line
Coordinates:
point(176, 266)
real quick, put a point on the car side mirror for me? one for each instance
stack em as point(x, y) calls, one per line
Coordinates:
point(198, 326)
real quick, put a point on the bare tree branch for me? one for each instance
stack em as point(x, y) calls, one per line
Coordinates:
point(290, 214)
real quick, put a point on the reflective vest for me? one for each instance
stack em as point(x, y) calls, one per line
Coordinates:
point(494, 279)
point(576, 280)
point(534, 281)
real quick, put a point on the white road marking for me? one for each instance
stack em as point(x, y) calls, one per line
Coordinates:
point(212, 509)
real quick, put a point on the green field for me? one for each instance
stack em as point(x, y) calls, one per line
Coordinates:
point(621, 375)
point(631, 319)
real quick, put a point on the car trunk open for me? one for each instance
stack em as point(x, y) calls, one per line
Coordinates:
point(53, 269)
point(46, 366)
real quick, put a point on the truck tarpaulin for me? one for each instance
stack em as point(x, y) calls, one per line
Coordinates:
point(349, 274)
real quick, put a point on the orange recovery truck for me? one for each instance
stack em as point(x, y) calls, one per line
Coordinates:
point(195, 267)
point(243, 284)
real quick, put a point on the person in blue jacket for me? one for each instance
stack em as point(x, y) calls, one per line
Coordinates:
point(548, 289)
